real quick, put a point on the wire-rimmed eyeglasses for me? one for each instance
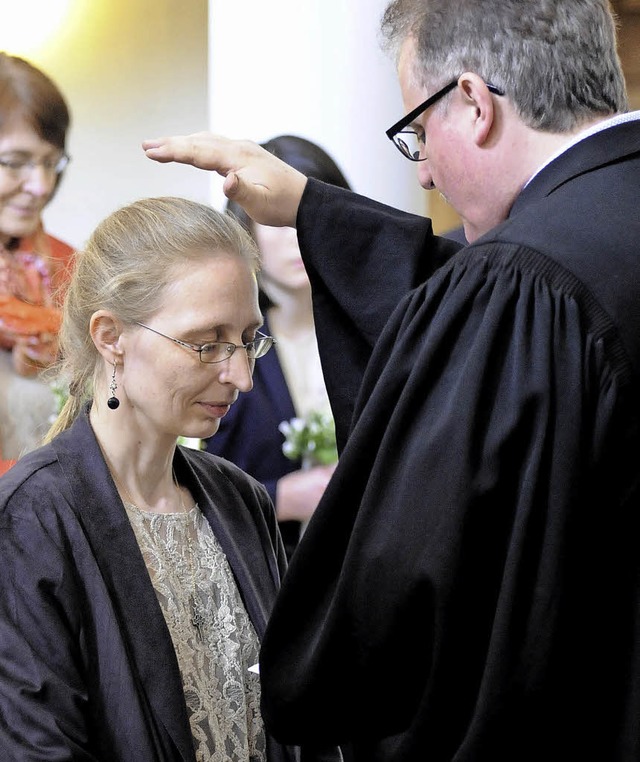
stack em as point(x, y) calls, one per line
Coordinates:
point(218, 351)
point(411, 143)
point(20, 165)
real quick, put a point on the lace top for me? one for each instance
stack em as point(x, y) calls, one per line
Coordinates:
point(214, 640)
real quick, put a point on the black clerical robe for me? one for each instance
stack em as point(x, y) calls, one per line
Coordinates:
point(469, 587)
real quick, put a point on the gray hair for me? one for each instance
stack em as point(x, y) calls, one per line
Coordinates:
point(126, 266)
point(556, 60)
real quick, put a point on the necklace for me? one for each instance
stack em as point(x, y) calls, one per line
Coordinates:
point(197, 617)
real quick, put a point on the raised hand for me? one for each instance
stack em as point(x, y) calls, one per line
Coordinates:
point(268, 189)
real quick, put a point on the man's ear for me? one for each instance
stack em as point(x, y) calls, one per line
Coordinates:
point(476, 95)
point(105, 330)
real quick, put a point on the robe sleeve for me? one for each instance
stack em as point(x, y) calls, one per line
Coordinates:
point(362, 258)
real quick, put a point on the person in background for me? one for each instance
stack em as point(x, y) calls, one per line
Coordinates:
point(289, 383)
point(468, 588)
point(138, 575)
point(34, 121)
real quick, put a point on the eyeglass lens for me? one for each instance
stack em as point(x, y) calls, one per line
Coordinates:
point(409, 144)
point(22, 165)
point(219, 351)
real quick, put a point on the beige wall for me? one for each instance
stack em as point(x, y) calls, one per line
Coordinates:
point(130, 69)
point(629, 38)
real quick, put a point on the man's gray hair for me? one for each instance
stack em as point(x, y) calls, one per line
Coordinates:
point(556, 60)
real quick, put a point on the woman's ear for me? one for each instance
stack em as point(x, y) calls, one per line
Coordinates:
point(105, 331)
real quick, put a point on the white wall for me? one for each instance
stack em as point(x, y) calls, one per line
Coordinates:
point(130, 69)
point(312, 68)
point(133, 69)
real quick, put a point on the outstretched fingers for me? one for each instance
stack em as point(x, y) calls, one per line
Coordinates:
point(202, 149)
point(268, 189)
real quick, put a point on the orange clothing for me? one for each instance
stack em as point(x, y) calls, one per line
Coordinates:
point(33, 276)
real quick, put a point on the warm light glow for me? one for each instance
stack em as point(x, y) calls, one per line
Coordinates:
point(29, 25)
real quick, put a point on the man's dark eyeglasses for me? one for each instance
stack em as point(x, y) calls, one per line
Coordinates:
point(409, 142)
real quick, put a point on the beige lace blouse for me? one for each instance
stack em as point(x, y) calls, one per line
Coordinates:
point(214, 640)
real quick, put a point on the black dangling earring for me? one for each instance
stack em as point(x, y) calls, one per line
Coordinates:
point(113, 402)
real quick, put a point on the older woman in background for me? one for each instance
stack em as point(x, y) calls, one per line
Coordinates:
point(34, 120)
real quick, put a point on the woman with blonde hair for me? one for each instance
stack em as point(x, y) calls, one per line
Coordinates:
point(137, 574)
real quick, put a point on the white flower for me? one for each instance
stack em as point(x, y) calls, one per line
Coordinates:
point(311, 439)
point(285, 428)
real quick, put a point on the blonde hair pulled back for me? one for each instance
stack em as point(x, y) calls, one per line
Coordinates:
point(126, 266)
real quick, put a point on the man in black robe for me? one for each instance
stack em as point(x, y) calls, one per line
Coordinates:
point(469, 587)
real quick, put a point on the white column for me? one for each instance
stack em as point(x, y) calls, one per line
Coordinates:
point(312, 68)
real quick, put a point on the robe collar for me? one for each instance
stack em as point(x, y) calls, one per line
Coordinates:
point(594, 152)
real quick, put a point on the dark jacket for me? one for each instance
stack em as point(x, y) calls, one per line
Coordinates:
point(87, 667)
